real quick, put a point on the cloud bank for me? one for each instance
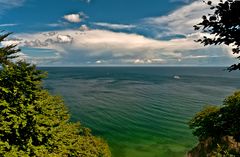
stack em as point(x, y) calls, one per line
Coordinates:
point(112, 45)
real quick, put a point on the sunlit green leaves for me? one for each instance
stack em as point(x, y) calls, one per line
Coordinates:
point(35, 123)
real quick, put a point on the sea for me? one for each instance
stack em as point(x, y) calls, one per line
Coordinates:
point(141, 111)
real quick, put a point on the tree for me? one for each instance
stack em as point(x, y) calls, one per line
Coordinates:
point(33, 122)
point(219, 126)
point(223, 25)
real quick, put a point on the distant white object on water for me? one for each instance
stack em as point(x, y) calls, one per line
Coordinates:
point(176, 77)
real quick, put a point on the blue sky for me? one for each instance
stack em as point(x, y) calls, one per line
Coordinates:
point(109, 32)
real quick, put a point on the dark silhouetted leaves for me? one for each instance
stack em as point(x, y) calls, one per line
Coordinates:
point(224, 26)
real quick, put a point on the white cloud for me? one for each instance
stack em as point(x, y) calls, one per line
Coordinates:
point(105, 46)
point(64, 38)
point(54, 24)
point(21, 57)
point(10, 42)
point(40, 60)
point(75, 18)
point(8, 25)
point(145, 61)
point(195, 57)
point(114, 26)
point(184, 1)
point(180, 21)
point(139, 61)
point(8, 4)
point(108, 47)
point(84, 28)
point(132, 48)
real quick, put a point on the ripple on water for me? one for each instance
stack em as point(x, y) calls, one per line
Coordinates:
point(141, 112)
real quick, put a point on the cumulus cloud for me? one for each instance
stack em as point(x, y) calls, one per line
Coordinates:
point(114, 26)
point(75, 18)
point(108, 47)
point(64, 38)
point(97, 46)
point(119, 46)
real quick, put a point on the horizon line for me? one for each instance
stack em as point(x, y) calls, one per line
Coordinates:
point(225, 66)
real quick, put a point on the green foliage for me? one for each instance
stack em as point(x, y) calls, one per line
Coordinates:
point(205, 123)
point(35, 123)
point(218, 122)
point(218, 128)
point(231, 115)
point(222, 25)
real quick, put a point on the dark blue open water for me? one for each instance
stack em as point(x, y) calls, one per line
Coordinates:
point(141, 111)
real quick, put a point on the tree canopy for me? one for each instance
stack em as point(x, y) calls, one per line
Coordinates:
point(33, 122)
point(216, 123)
point(223, 25)
point(219, 121)
point(218, 127)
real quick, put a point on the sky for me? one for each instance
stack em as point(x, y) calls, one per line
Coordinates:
point(110, 32)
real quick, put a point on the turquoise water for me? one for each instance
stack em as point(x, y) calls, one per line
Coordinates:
point(141, 111)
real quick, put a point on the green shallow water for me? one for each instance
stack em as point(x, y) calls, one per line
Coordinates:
point(141, 111)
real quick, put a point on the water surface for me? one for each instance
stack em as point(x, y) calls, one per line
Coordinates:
point(141, 111)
